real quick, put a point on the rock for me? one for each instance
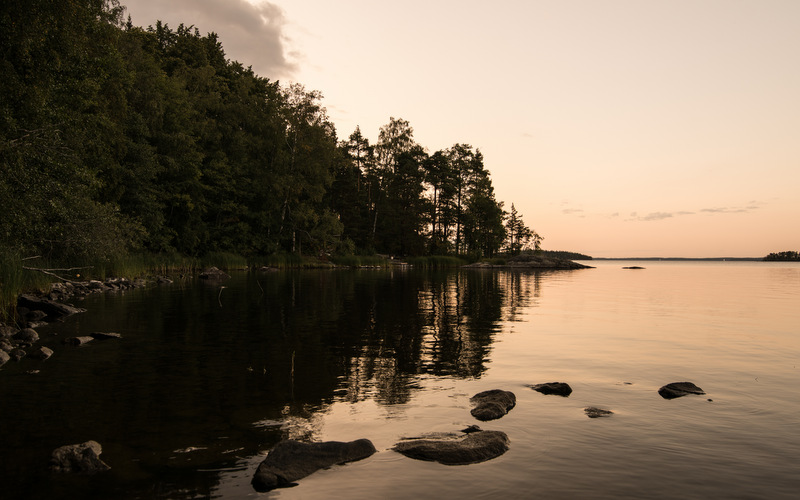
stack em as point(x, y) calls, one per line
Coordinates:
point(17, 354)
point(492, 404)
point(78, 340)
point(34, 316)
point(557, 388)
point(27, 335)
point(453, 449)
point(41, 353)
point(678, 389)
point(471, 428)
point(593, 412)
point(213, 273)
point(83, 457)
point(633, 267)
point(291, 460)
point(162, 280)
point(55, 310)
point(4, 358)
point(532, 261)
point(105, 335)
point(6, 346)
point(7, 331)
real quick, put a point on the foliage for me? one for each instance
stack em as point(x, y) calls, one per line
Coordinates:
point(123, 147)
point(787, 256)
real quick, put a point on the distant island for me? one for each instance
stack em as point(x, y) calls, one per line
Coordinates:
point(788, 256)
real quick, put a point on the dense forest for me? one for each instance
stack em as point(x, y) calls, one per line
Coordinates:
point(788, 256)
point(118, 139)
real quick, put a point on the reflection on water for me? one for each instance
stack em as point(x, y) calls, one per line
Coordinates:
point(206, 379)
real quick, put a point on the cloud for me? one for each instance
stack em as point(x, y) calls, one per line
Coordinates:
point(656, 216)
point(730, 210)
point(572, 211)
point(250, 34)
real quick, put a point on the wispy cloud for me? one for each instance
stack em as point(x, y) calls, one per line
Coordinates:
point(655, 216)
point(251, 34)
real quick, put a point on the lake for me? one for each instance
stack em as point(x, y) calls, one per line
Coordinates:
point(206, 379)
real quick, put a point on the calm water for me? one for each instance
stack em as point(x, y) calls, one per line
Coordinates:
point(206, 380)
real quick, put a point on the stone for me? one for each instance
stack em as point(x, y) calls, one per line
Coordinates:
point(41, 352)
point(17, 354)
point(55, 310)
point(454, 449)
point(212, 273)
point(557, 388)
point(291, 460)
point(78, 340)
point(6, 346)
point(4, 358)
point(593, 412)
point(633, 267)
point(679, 389)
point(84, 458)
point(492, 404)
point(105, 335)
point(27, 335)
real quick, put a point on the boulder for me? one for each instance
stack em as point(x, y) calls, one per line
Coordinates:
point(678, 389)
point(557, 388)
point(17, 354)
point(291, 460)
point(54, 310)
point(41, 353)
point(83, 457)
point(492, 404)
point(6, 346)
point(593, 412)
point(78, 340)
point(213, 273)
point(633, 267)
point(28, 335)
point(455, 449)
point(4, 357)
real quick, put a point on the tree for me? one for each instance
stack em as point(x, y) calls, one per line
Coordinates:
point(517, 232)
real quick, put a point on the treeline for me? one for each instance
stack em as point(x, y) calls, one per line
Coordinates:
point(787, 256)
point(115, 138)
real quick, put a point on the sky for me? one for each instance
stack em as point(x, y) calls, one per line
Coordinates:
point(617, 128)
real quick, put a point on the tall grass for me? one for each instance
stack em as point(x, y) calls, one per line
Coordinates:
point(13, 280)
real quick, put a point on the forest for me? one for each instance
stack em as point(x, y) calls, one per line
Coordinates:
point(116, 139)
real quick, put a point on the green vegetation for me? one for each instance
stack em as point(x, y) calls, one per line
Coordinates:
point(135, 150)
point(560, 254)
point(788, 256)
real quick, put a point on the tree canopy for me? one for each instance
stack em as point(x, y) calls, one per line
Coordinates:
point(116, 138)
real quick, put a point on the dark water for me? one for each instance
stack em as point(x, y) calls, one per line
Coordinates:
point(207, 379)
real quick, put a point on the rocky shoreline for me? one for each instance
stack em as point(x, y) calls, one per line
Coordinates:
point(532, 262)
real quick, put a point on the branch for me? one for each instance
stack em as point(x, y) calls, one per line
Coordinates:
point(50, 272)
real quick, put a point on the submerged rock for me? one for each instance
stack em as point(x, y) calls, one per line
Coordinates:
point(593, 412)
point(55, 310)
point(291, 460)
point(557, 388)
point(78, 340)
point(454, 449)
point(213, 273)
point(83, 457)
point(492, 404)
point(678, 389)
point(105, 335)
point(41, 353)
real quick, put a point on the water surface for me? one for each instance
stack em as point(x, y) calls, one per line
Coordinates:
point(207, 379)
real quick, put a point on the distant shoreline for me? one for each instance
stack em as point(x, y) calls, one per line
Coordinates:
point(719, 259)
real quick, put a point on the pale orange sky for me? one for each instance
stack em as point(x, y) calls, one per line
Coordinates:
point(617, 128)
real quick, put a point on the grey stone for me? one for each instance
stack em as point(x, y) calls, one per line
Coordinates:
point(557, 388)
point(678, 389)
point(78, 340)
point(4, 358)
point(41, 352)
point(55, 310)
point(291, 460)
point(84, 457)
point(27, 335)
point(593, 412)
point(17, 354)
point(454, 449)
point(212, 273)
point(492, 404)
point(105, 335)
